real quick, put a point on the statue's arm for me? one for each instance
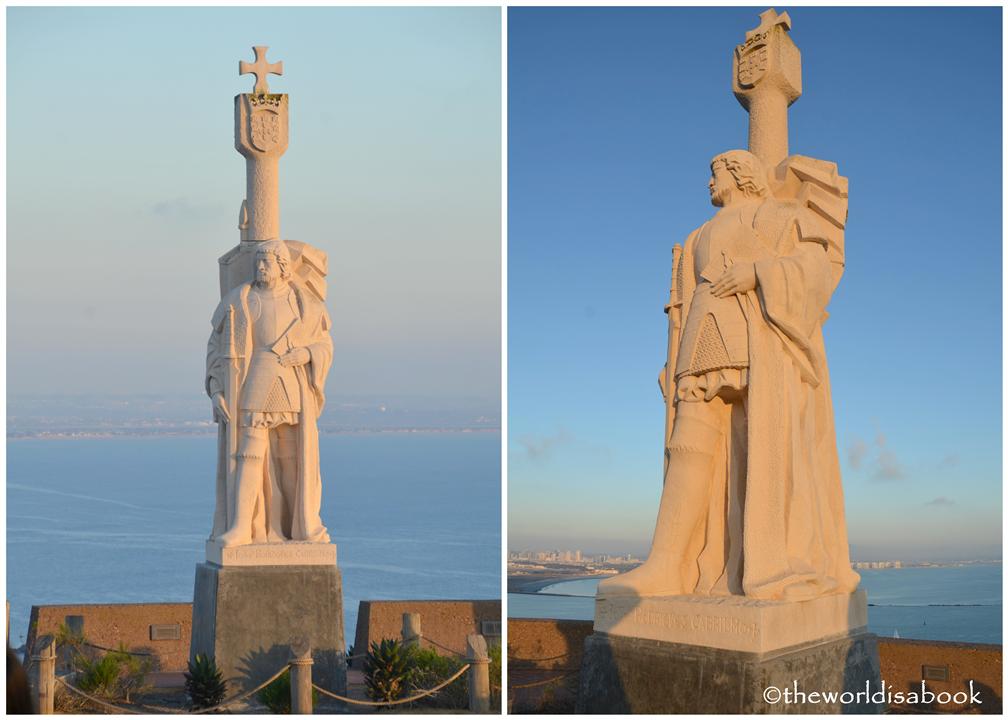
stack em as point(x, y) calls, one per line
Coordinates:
point(795, 288)
point(214, 381)
point(321, 349)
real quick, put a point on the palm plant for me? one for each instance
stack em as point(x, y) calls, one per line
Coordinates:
point(204, 682)
point(387, 670)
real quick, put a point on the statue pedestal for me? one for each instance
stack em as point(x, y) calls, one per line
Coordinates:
point(702, 654)
point(247, 615)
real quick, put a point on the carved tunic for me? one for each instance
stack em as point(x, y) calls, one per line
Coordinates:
point(270, 395)
point(714, 335)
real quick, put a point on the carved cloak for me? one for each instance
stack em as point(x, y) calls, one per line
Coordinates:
point(776, 517)
point(270, 523)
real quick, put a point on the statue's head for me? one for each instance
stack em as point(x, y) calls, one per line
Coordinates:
point(272, 263)
point(736, 174)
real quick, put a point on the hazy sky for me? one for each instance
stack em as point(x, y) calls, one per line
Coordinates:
point(123, 189)
point(614, 117)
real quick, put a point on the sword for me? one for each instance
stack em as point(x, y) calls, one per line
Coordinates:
point(231, 401)
point(667, 378)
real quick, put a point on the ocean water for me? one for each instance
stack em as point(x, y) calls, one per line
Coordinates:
point(961, 603)
point(414, 516)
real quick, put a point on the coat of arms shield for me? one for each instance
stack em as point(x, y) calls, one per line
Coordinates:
point(752, 64)
point(265, 130)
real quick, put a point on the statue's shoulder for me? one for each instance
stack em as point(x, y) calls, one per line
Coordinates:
point(234, 298)
point(313, 310)
point(692, 238)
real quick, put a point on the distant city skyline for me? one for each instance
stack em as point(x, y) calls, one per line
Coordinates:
point(614, 116)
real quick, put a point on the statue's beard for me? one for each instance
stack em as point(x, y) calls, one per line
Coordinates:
point(267, 279)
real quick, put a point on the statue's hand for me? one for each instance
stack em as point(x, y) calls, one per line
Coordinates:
point(220, 409)
point(739, 278)
point(297, 356)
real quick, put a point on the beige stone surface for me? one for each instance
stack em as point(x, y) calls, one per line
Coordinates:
point(766, 79)
point(732, 622)
point(285, 553)
point(108, 624)
point(261, 135)
point(444, 622)
point(268, 357)
point(752, 504)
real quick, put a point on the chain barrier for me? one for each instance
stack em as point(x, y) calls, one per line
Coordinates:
point(124, 652)
point(534, 660)
point(174, 711)
point(443, 647)
point(97, 701)
point(541, 682)
point(390, 703)
point(244, 696)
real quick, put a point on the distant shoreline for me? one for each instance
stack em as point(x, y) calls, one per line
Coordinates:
point(123, 434)
point(532, 584)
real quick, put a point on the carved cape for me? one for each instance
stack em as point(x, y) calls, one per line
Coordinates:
point(226, 366)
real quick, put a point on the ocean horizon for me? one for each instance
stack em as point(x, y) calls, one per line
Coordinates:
point(414, 515)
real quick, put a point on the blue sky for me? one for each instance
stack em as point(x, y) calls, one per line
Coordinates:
point(614, 115)
point(123, 189)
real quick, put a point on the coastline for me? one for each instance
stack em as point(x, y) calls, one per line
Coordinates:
point(532, 584)
point(129, 433)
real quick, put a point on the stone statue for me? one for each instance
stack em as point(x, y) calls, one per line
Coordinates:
point(748, 583)
point(270, 343)
point(270, 578)
point(269, 350)
point(752, 502)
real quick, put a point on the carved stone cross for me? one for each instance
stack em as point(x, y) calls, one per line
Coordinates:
point(260, 68)
point(766, 79)
point(769, 18)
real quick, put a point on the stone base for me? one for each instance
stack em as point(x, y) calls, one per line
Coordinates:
point(285, 553)
point(634, 675)
point(732, 622)
point(246, 618)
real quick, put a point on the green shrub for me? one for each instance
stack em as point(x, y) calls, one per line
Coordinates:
point(495, 676)
point(98, 677)
point(429, 669)
point(204, 682)
point(116, 674)
point(277, 695)
point(387, 670)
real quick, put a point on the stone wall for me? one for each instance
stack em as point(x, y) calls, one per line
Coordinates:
point(445, 622)
point(129, 623)
point(906, 662)
point(547, 655)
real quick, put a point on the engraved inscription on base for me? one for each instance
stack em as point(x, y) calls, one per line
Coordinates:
point(730, 622)
point(290, 553)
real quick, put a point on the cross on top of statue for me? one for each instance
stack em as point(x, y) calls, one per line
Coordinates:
point(768, 19)
point(260, 68)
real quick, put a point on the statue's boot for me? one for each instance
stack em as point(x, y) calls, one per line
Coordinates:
point(684, 502)
point(249, 479)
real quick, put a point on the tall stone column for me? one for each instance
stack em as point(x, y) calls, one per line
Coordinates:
point(766, 79)
point(261, 134)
